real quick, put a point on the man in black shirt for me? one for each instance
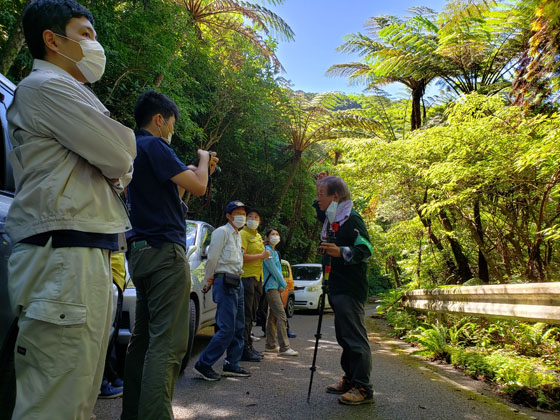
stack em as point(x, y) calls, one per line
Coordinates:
point(347, 287)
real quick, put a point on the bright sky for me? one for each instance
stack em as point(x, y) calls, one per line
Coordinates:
point(319, 26)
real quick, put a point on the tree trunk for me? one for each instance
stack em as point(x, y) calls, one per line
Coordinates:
point(416, 113)
point(464, 272)
point(296, 216)
point(419, 256)
point(287, 184)
point(483, 273)
point(451, 267)
point(13, 45)
point(392, 266)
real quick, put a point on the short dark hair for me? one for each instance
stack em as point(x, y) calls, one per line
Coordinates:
point(41, 15)
point(269, 231)
point(151, 103)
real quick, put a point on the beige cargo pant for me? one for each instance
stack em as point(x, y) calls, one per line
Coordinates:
point(63, 299)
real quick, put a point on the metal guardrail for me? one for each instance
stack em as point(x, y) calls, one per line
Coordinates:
point(536, 302)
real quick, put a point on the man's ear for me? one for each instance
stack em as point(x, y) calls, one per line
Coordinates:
point(159, 120)
point(51, 40)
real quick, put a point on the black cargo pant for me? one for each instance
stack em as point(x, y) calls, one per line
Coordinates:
point(252, 295)
point(351, 335)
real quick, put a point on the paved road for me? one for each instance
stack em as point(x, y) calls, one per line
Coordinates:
point(405, 387)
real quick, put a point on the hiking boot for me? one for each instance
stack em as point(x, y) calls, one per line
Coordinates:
point(231, 370)
point(109, 391)
point(272, 350)
point(289, 352)
point(206, 372)
point(356, 396)
point(340, 387)
point(249, 356)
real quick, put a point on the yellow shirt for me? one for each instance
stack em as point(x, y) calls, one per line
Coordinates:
point(117, 268)
point(252, 243)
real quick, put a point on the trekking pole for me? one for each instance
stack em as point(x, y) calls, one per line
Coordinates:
point(324, 288)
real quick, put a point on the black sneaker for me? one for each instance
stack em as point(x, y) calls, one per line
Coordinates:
point(258, 353)
point(249, 356)
point(231, 370)
point(206, 372)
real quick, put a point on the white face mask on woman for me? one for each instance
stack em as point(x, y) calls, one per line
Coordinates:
point(239, 221)
point(274, 240)
point(92, 65)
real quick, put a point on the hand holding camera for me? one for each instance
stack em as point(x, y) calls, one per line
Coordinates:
point(213, 168)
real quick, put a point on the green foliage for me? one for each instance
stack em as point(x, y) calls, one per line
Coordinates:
point(387, 301)
point(522, 359)
point(402, 322)
point(529, 380)
point(432, 339)
point(377, 281)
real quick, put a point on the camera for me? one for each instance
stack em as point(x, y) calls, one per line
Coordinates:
point(331, 238)
point(217, 170)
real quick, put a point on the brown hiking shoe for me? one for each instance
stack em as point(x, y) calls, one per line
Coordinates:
point(340, 387)
point(356, 396)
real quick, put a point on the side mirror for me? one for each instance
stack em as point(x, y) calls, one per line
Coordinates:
point(205, 252)
point(191, 250)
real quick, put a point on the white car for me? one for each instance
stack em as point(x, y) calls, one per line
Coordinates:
point(308, 280)
point(202, 307)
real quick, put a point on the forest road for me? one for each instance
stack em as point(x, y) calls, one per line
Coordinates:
point(406, 387)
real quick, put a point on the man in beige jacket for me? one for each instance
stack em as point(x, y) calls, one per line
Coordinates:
point(70, 161)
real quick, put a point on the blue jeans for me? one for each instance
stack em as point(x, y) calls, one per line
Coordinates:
point(230, 318)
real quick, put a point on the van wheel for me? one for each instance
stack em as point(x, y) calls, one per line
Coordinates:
point(290, 307)
point(192, 332)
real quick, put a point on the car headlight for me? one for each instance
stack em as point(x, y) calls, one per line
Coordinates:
point(312, 289)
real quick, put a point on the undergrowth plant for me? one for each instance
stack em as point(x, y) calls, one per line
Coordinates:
point(432, 339)
point(522, 359)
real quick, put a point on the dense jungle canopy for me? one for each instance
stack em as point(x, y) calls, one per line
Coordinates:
point(455, 188)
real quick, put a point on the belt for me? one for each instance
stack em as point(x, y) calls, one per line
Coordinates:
point(139, 244)
point(225, 274)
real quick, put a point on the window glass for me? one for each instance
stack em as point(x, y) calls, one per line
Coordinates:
point(191, 234)
point(6, 176)
point(306, 272)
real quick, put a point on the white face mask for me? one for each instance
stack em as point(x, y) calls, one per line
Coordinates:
point(252, 224)
point(274, 239)
point(92, 65)
point(169, 134)
point(331, 211)
point(239, 221)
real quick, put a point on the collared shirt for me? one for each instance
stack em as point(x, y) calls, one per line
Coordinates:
point(67, 152)
point(224, 252)
point(156, 210)
point(252, 243)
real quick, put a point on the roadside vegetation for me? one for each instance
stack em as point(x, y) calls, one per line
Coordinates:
point(522, 360)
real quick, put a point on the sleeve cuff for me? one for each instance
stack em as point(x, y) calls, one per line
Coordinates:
point(346, 253)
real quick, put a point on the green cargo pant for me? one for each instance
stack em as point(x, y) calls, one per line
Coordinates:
point(63, 299)
point(161, 328)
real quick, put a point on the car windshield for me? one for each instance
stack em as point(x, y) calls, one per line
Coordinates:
point(191, 234)
point(306, 272)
